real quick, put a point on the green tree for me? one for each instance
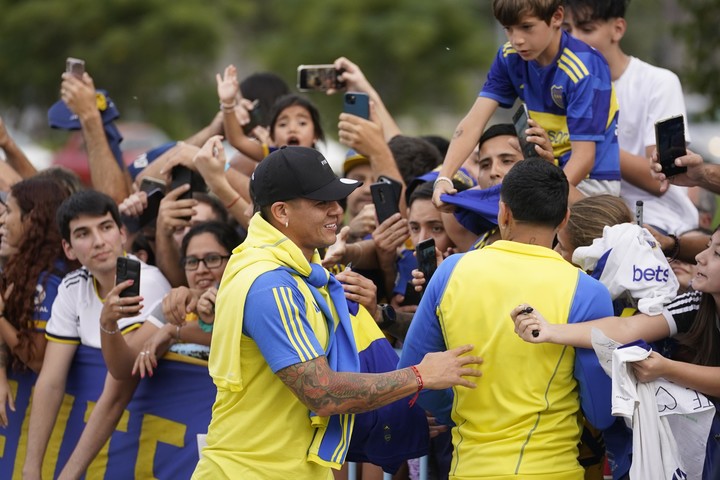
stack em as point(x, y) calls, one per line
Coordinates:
point(701, 37)
point(153, 56)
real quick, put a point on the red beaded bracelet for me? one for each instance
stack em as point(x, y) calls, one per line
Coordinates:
point(420, 384)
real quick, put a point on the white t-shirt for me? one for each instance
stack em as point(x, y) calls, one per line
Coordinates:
point(75, 317)
point(646, 94)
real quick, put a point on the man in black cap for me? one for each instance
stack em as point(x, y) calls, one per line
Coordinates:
point(283, 356)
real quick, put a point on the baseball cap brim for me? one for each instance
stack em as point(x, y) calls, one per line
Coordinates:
point(338, 189)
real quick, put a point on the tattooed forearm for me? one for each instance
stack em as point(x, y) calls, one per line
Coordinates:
point(458, 132)
point(327, 392)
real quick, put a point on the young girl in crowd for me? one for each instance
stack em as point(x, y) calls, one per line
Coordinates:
point(33, 272)
point(294, 120)
point(693, 363)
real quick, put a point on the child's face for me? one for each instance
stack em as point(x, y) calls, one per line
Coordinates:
point(294, 126)
point(534, 39)
point(425, 222)
point(600, 34)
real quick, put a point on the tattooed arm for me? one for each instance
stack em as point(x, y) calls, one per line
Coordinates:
point(327, 392)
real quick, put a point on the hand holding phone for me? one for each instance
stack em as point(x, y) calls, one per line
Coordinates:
point(670, 144)
point(639, 212)
point(319, 78)
point(357, 103)
point(75, 66)
point(385, 199)
point(520, 121)
point(128, 269)
point(425, 254)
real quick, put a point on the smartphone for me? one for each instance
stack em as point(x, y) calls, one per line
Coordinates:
point(357, 103)
point(75, 66)
point(425, 255)
point(670, 144)
point(520, 121)
point(397, 186)
point(150, 184)
point(319, 78)
point(255, 118)
point(411, 296)
point(181, 175)
point(639, 212)
point(127, 269)
point(386, 201)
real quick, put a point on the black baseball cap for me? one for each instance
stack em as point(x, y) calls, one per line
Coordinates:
point(297, 172)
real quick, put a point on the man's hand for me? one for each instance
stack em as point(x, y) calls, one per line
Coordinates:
point(359, 289)
point(693, 177)
point(173, 213)
point(440, 370)
point(389, 236)
point(117, 307)
point(79, 95)
point(363, 223)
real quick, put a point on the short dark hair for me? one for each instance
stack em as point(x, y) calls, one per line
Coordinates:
point(215, 205)
point(291, 100)
point(536, 192)
point(85, 202)
point(265, 87)
point(441, 143)
point(509, 12)
point(414, 156)
point(497, 130)
point(225, 235)
point(424, 191)
point(586, 11)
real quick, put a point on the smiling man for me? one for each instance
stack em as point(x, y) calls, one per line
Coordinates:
point(283, 357)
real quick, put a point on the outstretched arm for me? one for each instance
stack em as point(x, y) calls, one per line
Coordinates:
point(327, 392)
point(620, 329)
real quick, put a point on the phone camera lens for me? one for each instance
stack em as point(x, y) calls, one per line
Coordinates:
point(351, 99)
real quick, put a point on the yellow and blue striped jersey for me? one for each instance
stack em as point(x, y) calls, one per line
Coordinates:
point(572, 99)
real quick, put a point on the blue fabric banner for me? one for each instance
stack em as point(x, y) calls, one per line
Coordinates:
point(155, 438)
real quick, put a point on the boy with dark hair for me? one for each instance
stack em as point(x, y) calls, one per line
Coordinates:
point(525, 427)
point(647, 94)
point(566, 87)
point(90, 225)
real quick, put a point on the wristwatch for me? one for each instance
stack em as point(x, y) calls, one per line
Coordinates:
point(388, 316)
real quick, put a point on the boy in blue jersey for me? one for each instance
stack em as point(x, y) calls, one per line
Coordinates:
point(567, 89)
point(522, 420)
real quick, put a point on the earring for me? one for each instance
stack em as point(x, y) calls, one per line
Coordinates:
point(286, 224)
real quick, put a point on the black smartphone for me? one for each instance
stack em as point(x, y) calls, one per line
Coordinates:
point(397, 186)
point(520, 121)
point(319, 78)
point(150, 184)
point(670, 144)
point(153, 205)
point(411, 296)
point(75, 66)
point(255, 118)
point(386, 201)
point(182, 175)
point(425, 255)
point(357, 103)
point(128, 269)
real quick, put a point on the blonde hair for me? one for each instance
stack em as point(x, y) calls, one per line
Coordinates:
point(590, 215)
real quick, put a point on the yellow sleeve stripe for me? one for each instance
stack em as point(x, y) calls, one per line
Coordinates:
point(568, 53)
point(613, 107)
point(508, 49)
point(572, 71)
point(346, 424)
point(289, 314)
point(59, 339)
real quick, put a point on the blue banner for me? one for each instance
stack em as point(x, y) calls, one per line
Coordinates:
point(155, 438)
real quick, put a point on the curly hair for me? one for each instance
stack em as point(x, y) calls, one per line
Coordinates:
point(39, 251)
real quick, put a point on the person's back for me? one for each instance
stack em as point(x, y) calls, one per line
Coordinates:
point(646, 94)
point(524, 418)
